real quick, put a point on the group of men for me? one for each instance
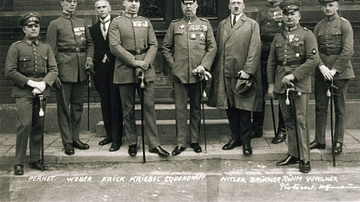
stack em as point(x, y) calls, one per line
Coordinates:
point(247, 58)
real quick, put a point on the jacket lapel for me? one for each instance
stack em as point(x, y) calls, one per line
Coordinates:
point(238, 24)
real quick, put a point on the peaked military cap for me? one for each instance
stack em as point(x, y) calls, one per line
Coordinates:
point(327, 1)
point(187, 1)
point(289, 6)
point(30, 18)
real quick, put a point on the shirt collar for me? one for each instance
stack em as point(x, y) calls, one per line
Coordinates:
point(107, 19)
point(130, 15)
point(237, 17)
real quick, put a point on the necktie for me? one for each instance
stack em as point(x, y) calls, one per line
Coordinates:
point(234, 21)
point(103, 26)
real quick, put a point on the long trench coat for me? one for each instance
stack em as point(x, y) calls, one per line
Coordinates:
point(239, 48)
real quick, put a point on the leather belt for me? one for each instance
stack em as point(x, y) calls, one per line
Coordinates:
point(330, 51)
point(138, 51)
point(71, 50)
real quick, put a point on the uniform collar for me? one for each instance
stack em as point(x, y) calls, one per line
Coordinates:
point(191, 19)
point(289, 29)
point(30, 42)
point(68, 15)
point(130, 15)
point(331, 18)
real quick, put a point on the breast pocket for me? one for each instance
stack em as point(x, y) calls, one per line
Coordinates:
point(300, 47)
point(24, 65)
point(337, 36)
point(43, 64)
point(278, 49)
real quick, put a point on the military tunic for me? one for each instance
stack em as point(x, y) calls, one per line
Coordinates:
point(335, 40)
point(294, 52)
point(70, 40)
point(26, 61)
point(132, 37)
point(187, 45)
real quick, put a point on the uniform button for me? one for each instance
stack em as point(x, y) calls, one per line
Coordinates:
point(35, 61)
point(35, 70)
point(35, 56)
point(268, 23)
point(285, 55)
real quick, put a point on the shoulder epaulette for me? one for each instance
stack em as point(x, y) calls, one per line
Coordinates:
point(322, 20)
point(343, 19)
point(117, 17)
point(176, 20)
point(17, 42)
point(203, 19)
point(306, 29)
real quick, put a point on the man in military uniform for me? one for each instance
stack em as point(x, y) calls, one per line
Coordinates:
point(293, 56)
point(237, 61)
point(69, 38)
point(335, 39)
point(132, 40)
point(104, 62)
point(32, 66)
point(189, 47)
point(270, 21)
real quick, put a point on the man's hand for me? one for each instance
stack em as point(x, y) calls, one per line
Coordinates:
point(89, 66)
point(286, 81)
point(243, 75)
point(36, 91)
point(271, 91)
point(139, 72)
point(326, 72)
point(200, 70)
point(140, 64)
point(57, 83)
point(35, 84)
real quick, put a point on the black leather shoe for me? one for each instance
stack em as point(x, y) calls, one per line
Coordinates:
point(232, 144)
point(18, 169)
point(338, 148)
point(305, 166)
point(37, 165)
point(114, 147)
point(288, 161)
point(316, 145)
point(132, 150)
point(80, 145)
point(196, 147)
point(105, 141)
point(256, 133)
point(178, 150)
point(160, 151)
point(280, 136)
point(247, 151)
point(69, 150)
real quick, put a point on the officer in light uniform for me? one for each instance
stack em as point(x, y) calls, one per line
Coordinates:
point(31, 64)
point(133, 42)
point(270, 21)
point(70, 40)
point(293, 56)
point(189, 47)
point(335, 39)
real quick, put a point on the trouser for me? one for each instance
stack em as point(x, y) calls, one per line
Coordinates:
point(258, 117)
point(29, 125)
point(127, 94)
point(70, 103)
point(321, 109)
point(240, 124)
point(182, 92)
point(301, 106)
point(110, 101)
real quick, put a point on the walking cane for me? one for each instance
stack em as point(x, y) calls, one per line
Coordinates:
point(88, 114)
point(330, 94)
point(292, 103)
point(41, 117)
point(273, 115)
point(142, 86)
point(203, 95)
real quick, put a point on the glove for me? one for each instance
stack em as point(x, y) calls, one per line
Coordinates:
point(36, 84)
point(140, 64)
point(326, 72)
point(271, 91)
point(36, 91)
point(57, 83)
point(89, 66)
point(200, 70)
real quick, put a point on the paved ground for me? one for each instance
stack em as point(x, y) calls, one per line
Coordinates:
point(263, 150)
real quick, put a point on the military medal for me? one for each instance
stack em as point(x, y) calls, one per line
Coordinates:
point(204, 28)
point(182, 27)
point(284, 63)
point(82, 38)
point(291, 37)
point(296, 38)
point(279, 24)
point(202, 36)
point(297, 55)
point(193, 36)
point(191, 28)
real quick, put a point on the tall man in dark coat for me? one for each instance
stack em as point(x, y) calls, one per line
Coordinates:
point(133, 42)
point(238, 59)
point(189, 47)
point(293, 57)
point(334, 35)
point(70, 40)
point(32, 66)
point(270, 21)
point(104, 62)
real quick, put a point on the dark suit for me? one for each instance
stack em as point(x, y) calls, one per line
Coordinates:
point(103, 79)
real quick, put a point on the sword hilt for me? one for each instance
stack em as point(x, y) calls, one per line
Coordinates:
point(41, 111)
